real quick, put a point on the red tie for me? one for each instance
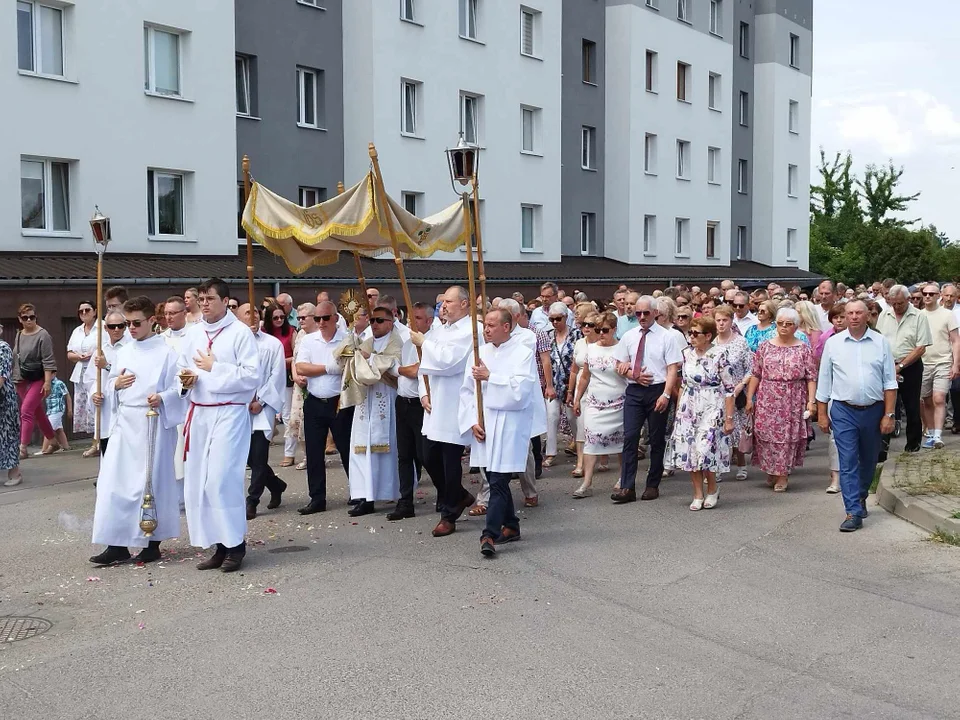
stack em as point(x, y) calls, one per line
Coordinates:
point(638, 363)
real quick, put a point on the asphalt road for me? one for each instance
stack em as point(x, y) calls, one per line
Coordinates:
point(757, 609)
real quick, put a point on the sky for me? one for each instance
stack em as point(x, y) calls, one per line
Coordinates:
point(886, 86)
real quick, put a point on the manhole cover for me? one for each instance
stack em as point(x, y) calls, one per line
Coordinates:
point(288, 548)
point(14, 628)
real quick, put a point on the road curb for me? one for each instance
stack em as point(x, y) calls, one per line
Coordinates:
point(912, 508)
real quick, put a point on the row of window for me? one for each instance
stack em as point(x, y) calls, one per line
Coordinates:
point(470, 19)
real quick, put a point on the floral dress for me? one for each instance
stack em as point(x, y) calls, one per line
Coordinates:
point(83, 342)
point(561, 358)
point(698, 441)
point(9, 412)
point(741, 362)
point(602, 403)
point(779, 430)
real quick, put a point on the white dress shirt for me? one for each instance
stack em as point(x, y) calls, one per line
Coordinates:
point(273, 382)
point(408, 387)
point(446, 353)
point(317, 351)
point(745, 323)
point(659, 351)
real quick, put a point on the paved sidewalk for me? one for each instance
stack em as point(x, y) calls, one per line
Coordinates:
point(924, 488)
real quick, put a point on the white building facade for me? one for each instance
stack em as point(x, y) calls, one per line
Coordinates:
point(129, 106)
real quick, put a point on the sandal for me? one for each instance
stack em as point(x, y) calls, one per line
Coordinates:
point(91, 452)
point(477, 510)
point(548, 461)
point(697, 504)
point(583, 491)
point(13, 480)
point(577, 473)
point(287, 462)
point(302, 465)
point(780, 487)
point(603, 468)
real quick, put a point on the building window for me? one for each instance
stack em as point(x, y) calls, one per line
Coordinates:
point(794, 51)
point(682, 236)
point(161, 62)
point(744, 40)
point(530, 129)
point(742, 180)
point(588, 233)
point(713, 165)
point(529, 32)
point(649, 234)
point(716, 17)
point(744, 108)
point(529, 226)
point(241, 204)
point(794, 117)
point(792, 180)
point(407, 11)
point(311, 3)
point(683, 10)
point(413, 202)
point(469, 13)
point(470, 117)
point(651, 71)
point(164, 204)
point(650, 154)
point(310, 196)
point(410, 99)
point(310, 97)
point(683, 160)
point(40, 38)
point(712, 238)
point(588, 60)
point(44, 195)
point(683, 81)
point(655, 4)
point(791, 243)
point(714, 93)
point(588, 148)
point(242, 66)
point(741, 242)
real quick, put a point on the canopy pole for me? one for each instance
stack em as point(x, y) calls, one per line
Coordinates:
point(356, 259)
point(388, 218)
point(477, 224)
point(472, 289)
point(245, 164)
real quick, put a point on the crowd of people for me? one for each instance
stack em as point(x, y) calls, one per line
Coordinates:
point(700, 382)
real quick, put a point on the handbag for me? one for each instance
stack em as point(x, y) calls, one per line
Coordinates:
point(746, 439)
point(31, 369)
point(740, 401)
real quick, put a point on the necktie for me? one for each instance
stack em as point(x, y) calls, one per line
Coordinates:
point(638, 363)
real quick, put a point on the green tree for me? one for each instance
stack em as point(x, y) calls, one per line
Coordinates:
point(880, 186)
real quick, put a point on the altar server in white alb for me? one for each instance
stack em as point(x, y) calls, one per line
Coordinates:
point(175, 311)
point(220, 372)
point(143, 376)
point(370, 385)
point(266, 404)
point(115, 338)
point(509, 385)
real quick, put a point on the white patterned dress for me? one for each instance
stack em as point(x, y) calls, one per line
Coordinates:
point(602, 403)
point(698, 441)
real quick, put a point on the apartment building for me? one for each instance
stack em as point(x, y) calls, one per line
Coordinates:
point(128, 106)
point(420, 72)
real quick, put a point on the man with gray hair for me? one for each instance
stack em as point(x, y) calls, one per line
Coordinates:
point(286, 302)
point(742, 317)
point(908, 332)
point(628, 320)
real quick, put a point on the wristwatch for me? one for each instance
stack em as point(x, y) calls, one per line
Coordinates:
point(892, 416)
point(899, 366)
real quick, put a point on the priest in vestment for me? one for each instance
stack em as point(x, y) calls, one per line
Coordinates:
point(509, 385)
point(143, 376)
point(220, 372)
point(370, 386)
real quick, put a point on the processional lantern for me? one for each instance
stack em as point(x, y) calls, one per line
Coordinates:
point(464, 163)
point(100, 225)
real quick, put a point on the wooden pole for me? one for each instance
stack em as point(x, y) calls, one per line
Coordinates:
point(356, 259)
point(472, 289)
point(476, 218)
point(245, 164)
point(100, 251)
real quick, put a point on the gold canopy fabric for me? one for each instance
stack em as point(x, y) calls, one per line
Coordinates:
point(351, 221)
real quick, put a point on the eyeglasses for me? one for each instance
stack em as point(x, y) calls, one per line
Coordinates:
point(695, 333)
point(588, 325)
point(135, 323)
point(642, 313)
point(739, 306)
point(933, 294)
point(605, 330)
point(28, 318)
point(233, 306)
point(380, 321)
point(301, 318)
point(281, 318)
point(785, 323)
point(116, 326)
point(84, 311)
point(556, 320)
point(323, 318)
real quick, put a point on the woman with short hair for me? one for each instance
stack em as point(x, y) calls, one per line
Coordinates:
point(560, 416)
point(587, 319)
point(740, 360)
point(34, 368)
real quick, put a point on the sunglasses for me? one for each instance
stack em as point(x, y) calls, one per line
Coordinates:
point(642, 313)
point(281, 318)
point(605, 330)
point(116, 326)
point(555, 320)
point(695, 333)
point(588, 325)
point(739, 306)
point(301, 318)
point(232, 306)
point(785, 323)
point(323, 318)
point(380, 321)
point(683, 317)
point(134, 323)
point(84, 311)
point(933, 294)
point(28, 318)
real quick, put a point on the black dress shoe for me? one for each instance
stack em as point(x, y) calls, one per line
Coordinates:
point(354, 501)
point(312, 507)
point(215, 560)
point(275, 496)
point(232, 561)
point(364, 507)
point(151, 553)
point(400, 514)
point(627, 495)
point(112, 555)
point(251, 511)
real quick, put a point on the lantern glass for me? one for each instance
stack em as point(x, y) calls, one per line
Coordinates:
point(100, 226)
point(463, 161)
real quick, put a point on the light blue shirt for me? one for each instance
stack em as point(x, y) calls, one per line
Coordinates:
point(856, 371)
point(625, 323)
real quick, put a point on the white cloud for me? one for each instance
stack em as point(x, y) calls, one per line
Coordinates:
point(876, 124)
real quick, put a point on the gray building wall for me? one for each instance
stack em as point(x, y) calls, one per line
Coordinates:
point(582, 104)
point(742, 144)
point(278, 37)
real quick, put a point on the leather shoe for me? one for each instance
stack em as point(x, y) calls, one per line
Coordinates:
point(531, 502)
point(487, 547)
point(851, 524)
point(400, 514)
point(276, 496)
point(112, 555)
point(650, 493)
point(232, 562)
point(364, 507)
point(214, 561)
point(466, 502)
point(151, 553)
point(251, 511)
point(312, 507)
point(444, 528)
point(624, 496)
point(508, 535)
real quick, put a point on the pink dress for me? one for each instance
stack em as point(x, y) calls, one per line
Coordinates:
point(780, 432)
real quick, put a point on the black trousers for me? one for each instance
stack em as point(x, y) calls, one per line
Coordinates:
point(638, 408)
point(409, 448)
point(320, 416)
point(261, 474)
point(442, 461)
point(103, 445)
point(909, 394)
